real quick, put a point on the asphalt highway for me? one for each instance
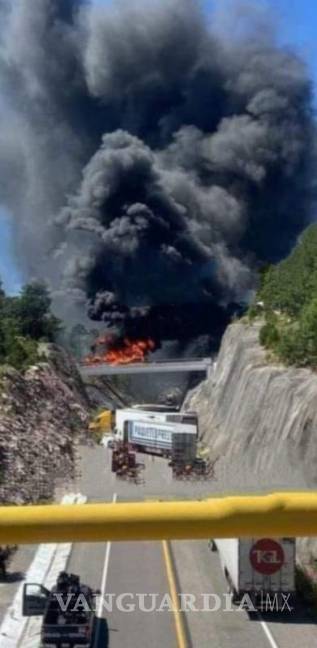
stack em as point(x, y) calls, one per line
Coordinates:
point(142, 584)
point(123, 571)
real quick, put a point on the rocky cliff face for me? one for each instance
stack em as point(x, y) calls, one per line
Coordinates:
point(259, 418)
point(42, 414)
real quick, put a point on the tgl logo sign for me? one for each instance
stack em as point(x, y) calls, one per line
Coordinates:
point(267, 556)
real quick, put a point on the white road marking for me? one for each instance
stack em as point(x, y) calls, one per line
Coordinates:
point(103, 585)
point(31, 636)
point(32, 630)
point(48, 561)
point(267, 632)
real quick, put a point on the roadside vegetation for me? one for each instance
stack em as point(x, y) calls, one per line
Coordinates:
point(25, 320)
point(287, 299)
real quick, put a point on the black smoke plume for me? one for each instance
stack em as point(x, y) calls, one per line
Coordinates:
point(150, 164)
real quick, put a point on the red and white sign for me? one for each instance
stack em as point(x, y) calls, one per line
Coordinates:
point(267, 556)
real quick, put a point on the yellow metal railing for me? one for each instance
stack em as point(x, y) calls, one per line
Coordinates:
point(276, 515)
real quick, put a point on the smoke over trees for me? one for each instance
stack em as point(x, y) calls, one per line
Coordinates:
point(146, 160)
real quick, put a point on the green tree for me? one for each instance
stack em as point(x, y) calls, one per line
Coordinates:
point(269, 335)
point(21, 352)
point(290, 347)
point(32, 311)
point(289, 294)
point(24, 320)
point(291, 284)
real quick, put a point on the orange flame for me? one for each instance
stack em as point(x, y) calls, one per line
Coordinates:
point(127, 352)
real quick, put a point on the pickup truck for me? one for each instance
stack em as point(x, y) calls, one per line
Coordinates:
point(68, 612)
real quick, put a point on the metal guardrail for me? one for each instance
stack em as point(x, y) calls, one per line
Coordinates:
point(275, 515)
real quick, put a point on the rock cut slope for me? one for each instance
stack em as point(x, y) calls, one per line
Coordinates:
point(260, 419)
point(42, 413)
point(261, 416)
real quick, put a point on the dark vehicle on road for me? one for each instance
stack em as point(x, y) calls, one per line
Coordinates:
point(6, 554)
point(68, 612)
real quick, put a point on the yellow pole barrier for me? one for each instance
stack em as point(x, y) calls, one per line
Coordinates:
point(276, 515)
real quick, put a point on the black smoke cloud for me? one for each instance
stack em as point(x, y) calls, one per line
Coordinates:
point(150, 165)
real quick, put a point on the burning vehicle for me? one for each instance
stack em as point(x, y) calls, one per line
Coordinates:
point(118, 351)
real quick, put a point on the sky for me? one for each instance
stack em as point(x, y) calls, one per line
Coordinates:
point(297, 26)
point(10, 275)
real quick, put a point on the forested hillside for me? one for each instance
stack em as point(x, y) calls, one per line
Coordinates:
point(44, 408)
point(288, 297)
point(25, 320)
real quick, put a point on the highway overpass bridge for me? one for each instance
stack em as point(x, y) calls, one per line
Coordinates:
point(199, 365)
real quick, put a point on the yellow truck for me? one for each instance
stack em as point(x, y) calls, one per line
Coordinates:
point(102, 423)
